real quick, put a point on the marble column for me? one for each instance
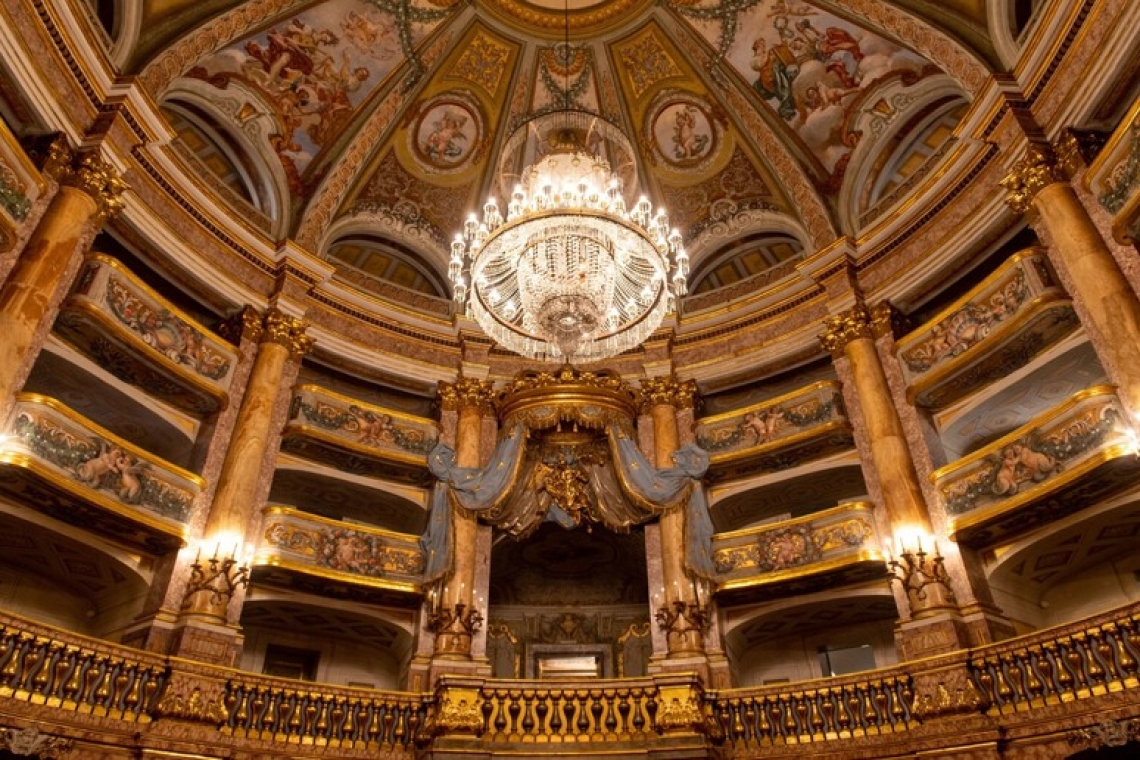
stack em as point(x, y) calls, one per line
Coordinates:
point(215, 576)
point(1104, 299)
point(454, 615)
point(89, 192)
point(661, 398)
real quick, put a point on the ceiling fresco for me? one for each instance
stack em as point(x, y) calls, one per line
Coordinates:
point(388, 118)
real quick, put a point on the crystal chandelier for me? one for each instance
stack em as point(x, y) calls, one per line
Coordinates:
point(572, 272)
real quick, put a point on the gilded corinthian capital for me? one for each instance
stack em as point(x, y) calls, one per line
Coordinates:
point(845, 327)
point(466, 393)
point(667, 391)
point(286, 331)
point(87, 172)
point(1036, 170)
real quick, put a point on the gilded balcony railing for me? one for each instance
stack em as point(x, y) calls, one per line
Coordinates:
point(70, 673)
point(1074, 453)
point(999, 326)
point(1114, 177)
point(805, 424)
point(84, 474)
point(339, 551)
point(1051, 667)
point(837, 545)
point(115, 318)
point(358, 437)
point(835, 709)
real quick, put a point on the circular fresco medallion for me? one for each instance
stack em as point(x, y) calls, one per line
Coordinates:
point(447, 134)
point(683, 131)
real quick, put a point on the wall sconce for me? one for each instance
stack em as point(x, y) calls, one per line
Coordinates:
point(213, 583)
point(684, 623)
point(453, 626)
point(924, 578)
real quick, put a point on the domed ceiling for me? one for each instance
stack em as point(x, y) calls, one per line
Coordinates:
point(368, 130)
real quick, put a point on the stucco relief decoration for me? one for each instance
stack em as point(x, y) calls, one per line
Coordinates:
point(428, 208)
point(101, 465)
point(735, 191)
point(646, 63)
point(969, 325)
point(14, 198)
point(565, 76)
point(448, 134)
point(683, 131)
point(1033, 458)
point(1123, 178)
point(766, 425)
point(314, 70)
point(345, 550)
point(368, 427)
point(483, 63)
point(795, 546)
point(816, 70)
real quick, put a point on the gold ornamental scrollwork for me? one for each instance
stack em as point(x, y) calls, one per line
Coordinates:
point(193, 706)
point(541, 400)
point(845, 327)
point(886, 320)
point(287, 331)
point(1036, 170)
point(246, 324)
point(458, 713)
point(466, 393)
point(680, 710)
point(88, 172)
point(667, 391)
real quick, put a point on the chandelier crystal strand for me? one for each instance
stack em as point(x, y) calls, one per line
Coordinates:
point(570, 273)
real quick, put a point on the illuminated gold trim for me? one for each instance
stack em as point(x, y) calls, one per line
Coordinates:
point(1126, 218)
point(1111, 145)
point(86, 424)
point(847, 507)
point(779, 443)
point(273, 558)
point(815, 568)
point(152, 520)
point(602, 16)
point(16, 153)
point(804, 391)
point(982, 515)
point(322, 391)
point(283, 511)
point(1037, 422)
point(373, 452)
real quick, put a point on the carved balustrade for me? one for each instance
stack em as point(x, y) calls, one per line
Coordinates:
point(357, 437)
point(128, 328)
point(1114, 177)
point(999, 326)
point(42, 666)
point(1050, 667)
point(339, 551)
point(1075, 454)
point(75, 471)
point(828, 548)
point(835, 709)
point(807, 423)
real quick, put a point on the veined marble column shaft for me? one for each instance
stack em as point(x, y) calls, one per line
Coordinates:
point(661, 397)
point(1039, 181)
point(471, 399)
point(850, 335)
point(280, 339)
point(89, 192)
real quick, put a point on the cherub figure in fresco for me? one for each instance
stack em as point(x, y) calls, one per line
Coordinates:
point(764, 425)
point(447, 133)
point(776, 69)
point(371, 428)
point(687, 143)
point(369, 33)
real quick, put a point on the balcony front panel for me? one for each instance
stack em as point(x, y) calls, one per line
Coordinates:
point(1114, 177)
point(1066, 458)
point(357, 437)
point(835, 547)
point(20, 185)
point(71, 469)
point(805, 424)
point(999, 326)
point(138, 336)
point(318, 554)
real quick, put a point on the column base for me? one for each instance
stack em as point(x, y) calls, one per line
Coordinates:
point(937, 634)
point(453, 665)
point(682, 662)
point(206, 641)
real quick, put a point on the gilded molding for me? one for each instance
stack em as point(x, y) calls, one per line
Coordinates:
point(847, 326)
point(541, 399)
point(667, 391)
point(1039, 168)
point(886, 320)
point(466, 393)
point(243, 325)
point(1079, 147)
point(89, 173)
point(283, 330)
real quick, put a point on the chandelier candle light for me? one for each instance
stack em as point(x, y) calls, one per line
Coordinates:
point(570, 273)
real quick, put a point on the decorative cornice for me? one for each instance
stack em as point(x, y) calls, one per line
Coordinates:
point(466, 393)
point(845, 327)
point(1036, 170)
point(88, 172)
point(283, 330)
point(667, 391)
